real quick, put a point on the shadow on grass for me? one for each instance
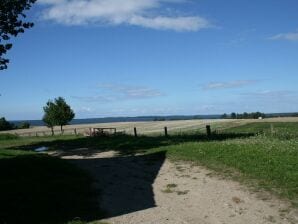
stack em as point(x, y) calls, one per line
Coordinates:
point(41, 189)
point(127, 144)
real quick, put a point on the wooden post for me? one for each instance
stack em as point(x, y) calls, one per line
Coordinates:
point(272, 129)
point(75, 131)
point(208, 130)
point(135, 132)
point(90, 131)
point(166, 131)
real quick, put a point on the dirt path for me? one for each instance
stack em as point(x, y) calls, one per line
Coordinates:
point(151, 189)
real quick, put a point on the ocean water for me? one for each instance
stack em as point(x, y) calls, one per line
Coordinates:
point(122, 119)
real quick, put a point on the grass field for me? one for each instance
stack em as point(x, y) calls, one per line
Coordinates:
point(258, 154)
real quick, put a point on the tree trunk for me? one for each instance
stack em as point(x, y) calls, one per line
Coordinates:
point(61, 128)
point(52, 129)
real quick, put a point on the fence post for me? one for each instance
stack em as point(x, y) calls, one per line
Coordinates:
point(208, 130)
point(272, 129)
point(166, 131)
point(75, 131)
point(135, 132)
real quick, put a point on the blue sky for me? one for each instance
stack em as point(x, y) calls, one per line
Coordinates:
point(154, 57)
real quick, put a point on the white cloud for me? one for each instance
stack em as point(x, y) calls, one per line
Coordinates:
point(285, 36)
point(227, 85)
point(174, 23)
point(144, 13)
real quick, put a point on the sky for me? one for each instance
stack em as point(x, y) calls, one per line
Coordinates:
point(111, 58)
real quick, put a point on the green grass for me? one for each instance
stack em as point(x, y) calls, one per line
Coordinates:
point(280, 130)
point(4, 137)
point(274, 164)
point(10, 141)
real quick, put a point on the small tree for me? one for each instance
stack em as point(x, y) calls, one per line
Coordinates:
point(57, 113)
point(5, 125)
point(224, 116)
point(12, 24)
point(49, 115)
point(24, 125)
point(233, 115)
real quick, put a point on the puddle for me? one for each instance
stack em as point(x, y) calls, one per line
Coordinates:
point(41, 149)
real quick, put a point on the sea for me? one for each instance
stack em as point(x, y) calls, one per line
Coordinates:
point(123, 119)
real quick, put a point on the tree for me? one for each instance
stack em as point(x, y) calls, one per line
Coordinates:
point(5, 125)
point(49, 115)
point(233, 115)
point(224, 116)
point(57, 113)
point(24, 125)
point(12, 24)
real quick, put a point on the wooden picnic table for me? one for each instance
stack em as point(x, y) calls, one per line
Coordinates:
point(102, 131)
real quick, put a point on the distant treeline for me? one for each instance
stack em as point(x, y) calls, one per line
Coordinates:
point(6, 126)
point(245, 115)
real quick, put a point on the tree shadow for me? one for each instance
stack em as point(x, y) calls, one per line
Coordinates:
point(127, 144)
point(125, 183)
point(41, 189)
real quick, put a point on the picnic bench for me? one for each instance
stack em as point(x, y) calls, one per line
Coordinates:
point(102, 131)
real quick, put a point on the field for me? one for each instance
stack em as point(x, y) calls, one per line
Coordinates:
point(262, 155)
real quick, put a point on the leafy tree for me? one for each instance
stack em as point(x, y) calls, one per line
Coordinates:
point(12, 24)
point(57, 113)
point(233, 115)
point(64, 114)
point(5, 125)
point(224, 116)
point(49, 115)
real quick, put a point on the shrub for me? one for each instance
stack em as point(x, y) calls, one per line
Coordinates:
point(24, 125)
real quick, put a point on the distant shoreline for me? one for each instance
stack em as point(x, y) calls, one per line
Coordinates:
point(145, 127)
point(144, 119)
point(124, 119)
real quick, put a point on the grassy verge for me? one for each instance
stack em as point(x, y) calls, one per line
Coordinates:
point(269, 161)
point(272, 163)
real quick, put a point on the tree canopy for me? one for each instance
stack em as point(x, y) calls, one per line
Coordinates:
point(57, 112)
point(12, 24)
point(5, 125)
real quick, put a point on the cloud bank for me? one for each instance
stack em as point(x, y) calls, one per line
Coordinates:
point(143, 13)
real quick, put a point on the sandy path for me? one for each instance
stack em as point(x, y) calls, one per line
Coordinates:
point(134, 190)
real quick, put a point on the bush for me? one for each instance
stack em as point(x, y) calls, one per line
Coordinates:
point(24, 125)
